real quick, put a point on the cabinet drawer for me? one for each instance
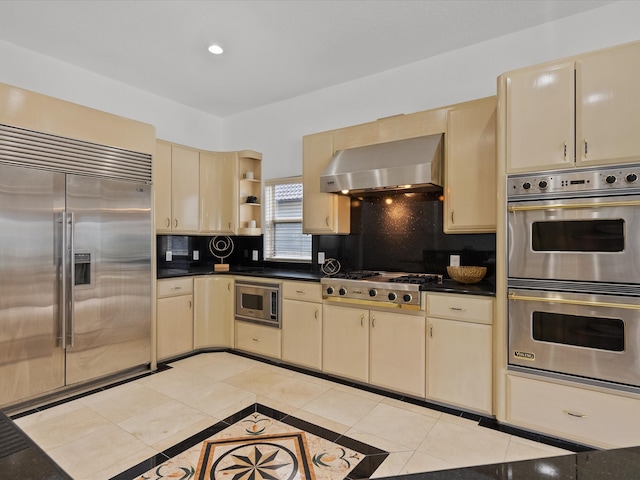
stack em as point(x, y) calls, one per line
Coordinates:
point(309, 291)
point(460, 307)
point(585, 416)
point(175, 286)
point(258, 339)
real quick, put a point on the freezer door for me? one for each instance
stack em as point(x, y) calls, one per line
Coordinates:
point(110, 304)
point(31, 213)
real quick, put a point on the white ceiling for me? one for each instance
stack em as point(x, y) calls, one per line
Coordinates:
point(274, 49)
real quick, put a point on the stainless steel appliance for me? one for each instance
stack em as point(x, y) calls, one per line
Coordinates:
point(574, 274)
point(399, 290)
point(258, 302)
point(75, 262)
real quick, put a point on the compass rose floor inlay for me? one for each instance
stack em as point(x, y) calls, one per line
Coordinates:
point(260, 443)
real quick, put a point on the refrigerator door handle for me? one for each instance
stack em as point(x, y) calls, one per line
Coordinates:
point(72, 280)
point(64, 269)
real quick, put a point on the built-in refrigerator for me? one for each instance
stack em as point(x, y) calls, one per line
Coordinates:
point(75, 263)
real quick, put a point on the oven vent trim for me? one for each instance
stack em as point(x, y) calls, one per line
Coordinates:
point(28, 148)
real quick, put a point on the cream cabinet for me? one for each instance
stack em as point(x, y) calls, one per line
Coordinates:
point(302, 324)
point(174, 317)
point(574, 112)
point(322, 213)
point(459, 351)
point(345, 342)
point(176, 173)
point(218, 193)
point(213, 312)
point(397, 352)
point(261, 340)
point(470, 169)
point(580, 414)
point(249, 179)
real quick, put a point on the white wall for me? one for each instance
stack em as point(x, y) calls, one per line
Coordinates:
point(276, 130)
point(173, 121)
point(465, 74)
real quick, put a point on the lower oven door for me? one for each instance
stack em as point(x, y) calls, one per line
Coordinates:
point(594, 336)
point(582, 239)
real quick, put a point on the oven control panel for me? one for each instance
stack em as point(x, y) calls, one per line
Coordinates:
point(602, 179)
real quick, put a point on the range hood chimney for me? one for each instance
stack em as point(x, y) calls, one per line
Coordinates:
point(412, 164)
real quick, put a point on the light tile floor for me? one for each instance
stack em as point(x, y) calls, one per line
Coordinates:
point(103, 434)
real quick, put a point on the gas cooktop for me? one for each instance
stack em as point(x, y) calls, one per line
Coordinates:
point(372, 286)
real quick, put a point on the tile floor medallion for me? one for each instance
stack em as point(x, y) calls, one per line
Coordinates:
point(254, 445)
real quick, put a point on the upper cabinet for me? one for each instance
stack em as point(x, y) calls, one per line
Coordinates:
point(176, 171)
point(575, 112)
point(203, 192)
point(470, 168)
point(323, 213)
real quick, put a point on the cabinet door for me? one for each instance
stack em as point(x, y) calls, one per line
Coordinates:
point(540, 118)
point(398, 352)
point(162, 186)
point(607, 105)
point(185, 170)
point(258, 339)
point(345, 343)
point(459, 363)
point(470, 183)
point(218, 198)
point(174, 326)
point(322, 212)
point(213, 313)
point(302, 333)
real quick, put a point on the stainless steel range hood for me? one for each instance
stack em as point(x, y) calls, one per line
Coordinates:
point(415, 163)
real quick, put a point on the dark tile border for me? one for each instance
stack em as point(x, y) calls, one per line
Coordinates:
point(373, 457)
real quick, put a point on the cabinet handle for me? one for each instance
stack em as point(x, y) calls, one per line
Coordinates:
point(452, 220)
point(574, 414)
point(431, 330)
point(373, 320)
point(458, 309)
point(326, 220)
point(177, 288)
point(168, 222)
point(229, 286)
point(190, 304)
point(362, 320)
point(255, 339)
point(176, 226)
point(315, 314)
point(565, 150)
point(586, 147)
point(229, 224)
point(302, 292)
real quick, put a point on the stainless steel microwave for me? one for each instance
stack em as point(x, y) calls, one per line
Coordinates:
point(258, 302)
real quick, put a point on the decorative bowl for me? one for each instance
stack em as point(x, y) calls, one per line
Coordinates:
point(467, 274)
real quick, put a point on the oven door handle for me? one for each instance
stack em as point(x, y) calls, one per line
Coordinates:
point(525, 208)
point(513, 296)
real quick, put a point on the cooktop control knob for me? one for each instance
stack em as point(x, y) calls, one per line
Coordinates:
point(342, 291)
point(330, 290)
point(392, 296)
point(526, 185)
point(543, 184)
point(610, 179)
point(373, 292)
point(407, 297)
point(631, 177)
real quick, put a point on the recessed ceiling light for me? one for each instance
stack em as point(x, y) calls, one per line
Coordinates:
point(216, 49)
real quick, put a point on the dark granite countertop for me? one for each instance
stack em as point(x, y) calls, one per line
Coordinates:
point(485, 288)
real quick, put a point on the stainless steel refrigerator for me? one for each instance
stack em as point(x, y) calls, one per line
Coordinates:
point(75, 275)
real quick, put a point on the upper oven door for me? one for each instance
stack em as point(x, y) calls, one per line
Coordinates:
point(583, 239)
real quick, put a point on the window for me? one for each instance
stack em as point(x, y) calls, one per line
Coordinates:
point(283, 238)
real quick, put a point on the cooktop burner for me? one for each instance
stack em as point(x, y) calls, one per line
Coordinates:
point(356, 274)
point(417, 278)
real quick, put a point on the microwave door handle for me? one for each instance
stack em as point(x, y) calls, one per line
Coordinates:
point(524, 208)
point(274, 304)
point(513, 296)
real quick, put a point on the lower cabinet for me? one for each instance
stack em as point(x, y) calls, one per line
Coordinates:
point(585, 416)
point(258, 339)
point(385, 349)
point(302, 324)
point(174, 317)
point(459, 351)
point(213, 313)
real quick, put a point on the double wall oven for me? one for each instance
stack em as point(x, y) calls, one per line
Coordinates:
point(574, 274)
